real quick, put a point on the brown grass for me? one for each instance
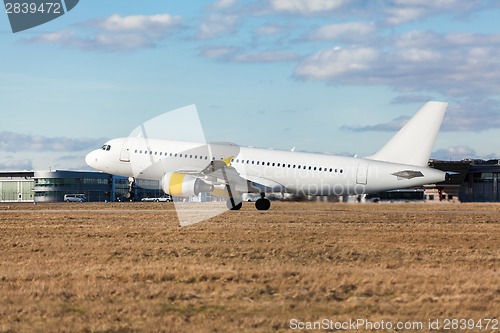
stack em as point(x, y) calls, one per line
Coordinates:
point(131, 268)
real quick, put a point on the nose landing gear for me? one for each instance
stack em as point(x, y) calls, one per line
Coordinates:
point(131, 189)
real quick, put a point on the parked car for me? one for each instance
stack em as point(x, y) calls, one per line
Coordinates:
point(75, 198)
point(166, 198)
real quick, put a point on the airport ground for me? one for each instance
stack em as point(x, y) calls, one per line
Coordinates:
point(131, 267)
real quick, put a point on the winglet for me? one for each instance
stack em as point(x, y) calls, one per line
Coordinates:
point(413, 144)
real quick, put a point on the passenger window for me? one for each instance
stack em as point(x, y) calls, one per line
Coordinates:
point(253, 162)
point(273, 164)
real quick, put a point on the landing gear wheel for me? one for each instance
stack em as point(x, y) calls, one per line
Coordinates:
point(131, 189)
point(262, 204)
point(230, 206)
point(129, 196)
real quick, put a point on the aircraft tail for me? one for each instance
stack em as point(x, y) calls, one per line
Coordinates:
point(413, 143)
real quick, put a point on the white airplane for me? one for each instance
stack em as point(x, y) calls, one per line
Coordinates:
point(189, 168)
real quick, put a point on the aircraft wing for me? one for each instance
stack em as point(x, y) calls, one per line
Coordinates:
point(222, 173)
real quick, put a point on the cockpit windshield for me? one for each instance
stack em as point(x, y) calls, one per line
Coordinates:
point(106, 147)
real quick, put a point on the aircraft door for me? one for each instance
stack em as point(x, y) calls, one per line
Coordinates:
point(125, 152)
point(362, 175)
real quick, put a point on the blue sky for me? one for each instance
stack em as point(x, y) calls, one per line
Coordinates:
point(332, 76)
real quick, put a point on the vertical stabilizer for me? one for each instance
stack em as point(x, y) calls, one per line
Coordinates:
point(413, 143)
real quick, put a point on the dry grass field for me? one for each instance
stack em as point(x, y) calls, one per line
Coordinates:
point(131, 268)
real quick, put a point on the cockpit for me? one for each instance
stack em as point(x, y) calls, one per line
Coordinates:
point(106, 147)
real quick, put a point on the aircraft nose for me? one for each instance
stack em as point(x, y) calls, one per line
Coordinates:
point(91, 159)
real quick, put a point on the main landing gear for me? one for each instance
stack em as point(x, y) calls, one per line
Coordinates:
point(262, 203)
point(232, 205)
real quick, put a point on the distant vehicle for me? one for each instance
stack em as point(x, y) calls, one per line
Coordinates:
point(250, 197)
point(166, 198)
point(75, 198)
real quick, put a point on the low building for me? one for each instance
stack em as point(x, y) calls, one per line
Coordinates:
point(52, 186)
point(17, 186)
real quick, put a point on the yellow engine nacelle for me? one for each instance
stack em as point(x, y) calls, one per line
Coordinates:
point(181, 185)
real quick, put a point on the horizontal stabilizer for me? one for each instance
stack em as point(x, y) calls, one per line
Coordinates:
point(408, 174)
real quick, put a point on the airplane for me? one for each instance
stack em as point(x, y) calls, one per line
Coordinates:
point(223, 169)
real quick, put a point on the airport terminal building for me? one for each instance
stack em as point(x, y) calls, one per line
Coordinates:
point(472, 181)
point(52, 186)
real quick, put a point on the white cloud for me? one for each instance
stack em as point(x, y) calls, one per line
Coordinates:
point(337, 62)
point(342, 31)
point(305, 7)
point(404, 11)
point(262, 57)
point(223, 4)
point(237, 55)
point(148, 24)
point(218, 52)
point(458, 153)
point(270, 29)
point(397, 16)
point(392, 126)
point(12, 163)
point(473, 115)
point(416, 61)
point(216, 25)
point(410, 99)
point(17, 142)
point(115, 33)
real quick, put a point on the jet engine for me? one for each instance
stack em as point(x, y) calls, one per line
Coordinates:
point(181, 185)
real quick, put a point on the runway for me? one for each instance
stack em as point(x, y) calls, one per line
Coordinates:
point(131, 267)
